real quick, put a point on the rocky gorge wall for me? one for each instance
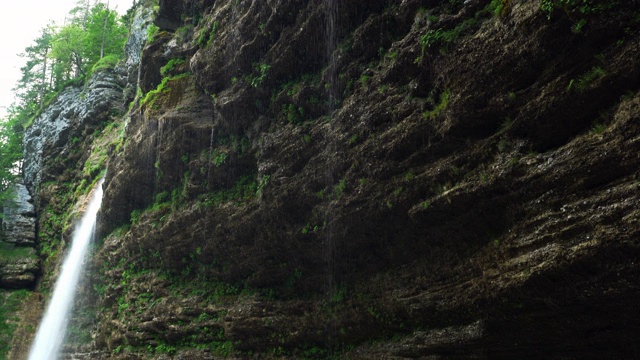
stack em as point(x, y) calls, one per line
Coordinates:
point(19, 264)
point(367, 180)
point(65, 155)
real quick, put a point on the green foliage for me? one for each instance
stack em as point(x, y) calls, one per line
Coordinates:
point(163, 87)
point(206, 37)
point(92, 39)
point(261, 74)
point(244, 190)
point(218, 157)
point(152, 30)
point(169, 68)
point(182, 32)
point(91, 34)
point(436, 37)
point(578, 11)
point(500, 7)
point(107, 62)
point(10, 154)
point(577, 7)
point(94, 165)
point(308, 228)
point(264, 180)
point(9, 304)
point(586, 79)
point(440, 39)
point(598, 128)
point(439, 107)
point(364, 80)
point(135, 216)
point(338, 190)
point(9, 252)
point(293, 114)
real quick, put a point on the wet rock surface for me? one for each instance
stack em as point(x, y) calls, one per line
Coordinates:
point(325, 179)
point(19, 264)
point(64, 154)
point(143, 17)
point(449, 201)
point(18, 224)
point(19, 273)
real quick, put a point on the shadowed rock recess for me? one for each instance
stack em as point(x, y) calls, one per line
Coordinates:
point(362, 180)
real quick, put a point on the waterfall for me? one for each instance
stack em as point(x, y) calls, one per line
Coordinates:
point(52, 329)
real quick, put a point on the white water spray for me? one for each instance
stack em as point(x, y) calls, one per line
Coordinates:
point(54, 323)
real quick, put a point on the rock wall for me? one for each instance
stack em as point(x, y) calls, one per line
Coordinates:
point(65, 154)
point(373, 180)
point(18, 259)
point(18, 224)
point(77, 111)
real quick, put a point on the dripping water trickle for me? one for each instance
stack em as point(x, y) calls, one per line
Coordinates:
point(331, 151)
point(210, 154)
point(52, 329)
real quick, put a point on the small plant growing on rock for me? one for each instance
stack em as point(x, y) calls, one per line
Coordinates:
point(338, 190)
point(598, 128)
point(439, 107)
point(364, 80)
point(576, 7)
point(585, 80)
point(206, 37)
point(152, 30)
point(169, 68)
point(295, 115)
point(261, 69)
point(218, 157)
point(501, 7)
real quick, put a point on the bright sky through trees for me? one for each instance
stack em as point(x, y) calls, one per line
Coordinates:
point(20, 23)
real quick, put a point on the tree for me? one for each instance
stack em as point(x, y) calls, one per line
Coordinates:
point(69, 49)
point(34, 83)
point(10, 155)
point(89, 36)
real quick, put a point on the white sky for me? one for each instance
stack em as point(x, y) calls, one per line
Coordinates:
point(20, 23)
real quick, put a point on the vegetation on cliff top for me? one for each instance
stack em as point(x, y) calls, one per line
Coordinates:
point(93, 38)
point(10, 155)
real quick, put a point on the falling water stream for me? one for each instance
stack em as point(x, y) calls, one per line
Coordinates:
point(52, 329)
point(330, 34)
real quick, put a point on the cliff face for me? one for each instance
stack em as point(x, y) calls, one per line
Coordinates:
point(18, 258)
point(374, 179)
point(65, 154)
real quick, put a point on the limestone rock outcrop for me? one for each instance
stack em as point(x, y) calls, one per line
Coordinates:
point(74, 113)
point(19, 264)
point(18, 224)
point(19, 273)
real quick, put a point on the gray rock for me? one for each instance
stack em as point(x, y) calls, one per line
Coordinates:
point(64, 118)
point(133, 49)
point(18, 224)
point(19, 273)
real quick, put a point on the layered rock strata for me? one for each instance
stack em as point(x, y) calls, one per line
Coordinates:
point(374, 180)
